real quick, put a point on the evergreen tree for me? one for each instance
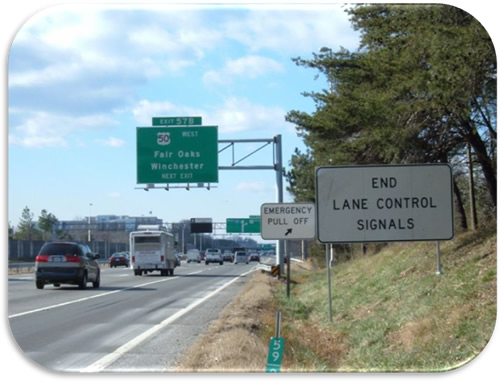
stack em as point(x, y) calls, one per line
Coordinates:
point(421, 87)
point(26, 228)
point(46, 222)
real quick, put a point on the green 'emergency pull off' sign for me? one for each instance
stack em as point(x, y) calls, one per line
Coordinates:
point(184, 154)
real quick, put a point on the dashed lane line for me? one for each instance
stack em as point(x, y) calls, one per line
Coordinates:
point(45, 308)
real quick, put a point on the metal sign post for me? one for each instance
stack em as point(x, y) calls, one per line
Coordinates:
point(328, 248)
point(276, 347)
point(288, 261)
point(438, 258)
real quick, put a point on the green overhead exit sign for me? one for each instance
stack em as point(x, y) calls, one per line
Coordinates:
point(183, 154)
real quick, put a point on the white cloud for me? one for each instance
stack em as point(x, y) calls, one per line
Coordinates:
point(178, 65)
point(145, 110)
point(294, 30)
point(233, 115)
point(175, 35)
point(152, 39)
point(43, 129)
point(111, 142)
point(114, 195)
point(53, 73)
point(239, 114)
point(249, 67)
point(94, 61)
point(64, 27)
point(254, 187)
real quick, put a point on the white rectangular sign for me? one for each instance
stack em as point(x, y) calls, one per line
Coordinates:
point(284, 221)
point(384, 203)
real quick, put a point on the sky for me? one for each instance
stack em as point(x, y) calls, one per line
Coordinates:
point(81, 79)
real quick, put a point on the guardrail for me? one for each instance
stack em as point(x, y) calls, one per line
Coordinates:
point(274, 269)
point(19, 267)
point(264, 267)
point(30, 267)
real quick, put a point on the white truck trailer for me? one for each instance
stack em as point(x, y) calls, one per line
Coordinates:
point(152, 249)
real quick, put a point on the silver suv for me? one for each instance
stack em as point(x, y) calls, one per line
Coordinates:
point(64, 262)
point(213, 255)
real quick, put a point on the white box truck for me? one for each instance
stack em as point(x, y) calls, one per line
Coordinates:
point(152, 249)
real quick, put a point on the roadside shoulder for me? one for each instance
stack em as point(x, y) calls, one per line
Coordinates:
point(231, 342)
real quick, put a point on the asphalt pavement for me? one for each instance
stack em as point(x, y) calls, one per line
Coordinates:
point(129, 324)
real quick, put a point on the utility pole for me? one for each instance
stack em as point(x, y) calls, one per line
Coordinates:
point(279, 183)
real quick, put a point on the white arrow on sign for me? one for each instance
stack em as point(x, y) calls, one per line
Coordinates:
point(288, 221)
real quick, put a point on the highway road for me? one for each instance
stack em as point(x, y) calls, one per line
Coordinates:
point(129, 324)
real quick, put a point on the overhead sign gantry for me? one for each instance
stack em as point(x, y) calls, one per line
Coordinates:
point(182, 152)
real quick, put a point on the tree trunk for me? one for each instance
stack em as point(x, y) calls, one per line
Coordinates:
point(485, 162)
point(460, 206)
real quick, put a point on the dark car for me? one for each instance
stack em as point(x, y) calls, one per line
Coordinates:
point(119, 258)
point(228, 256)
point(254, 257)
point(177, 259)
point(66, 263)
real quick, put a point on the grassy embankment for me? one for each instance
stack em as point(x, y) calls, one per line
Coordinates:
point(391, 312)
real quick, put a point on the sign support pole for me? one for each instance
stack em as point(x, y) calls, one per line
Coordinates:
point(279, 184)
point(276, 348)
point(327, 258)
point(278, 324)
point(438, 258)
point(287, 270)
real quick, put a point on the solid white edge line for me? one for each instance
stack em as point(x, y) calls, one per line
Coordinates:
point(112, 357)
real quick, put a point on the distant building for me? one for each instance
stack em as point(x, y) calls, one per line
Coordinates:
point(112, 228)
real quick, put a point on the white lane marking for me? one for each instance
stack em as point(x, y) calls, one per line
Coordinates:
point(92, 297)
point(112, 357)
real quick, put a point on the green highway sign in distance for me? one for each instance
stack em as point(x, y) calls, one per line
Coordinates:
point(244, 225)
point(177, 154)
point(267, 247)
point(176, 121)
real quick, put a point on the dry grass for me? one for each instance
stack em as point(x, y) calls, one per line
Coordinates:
point(391, 313)
point(232, 342)
point(418, 331)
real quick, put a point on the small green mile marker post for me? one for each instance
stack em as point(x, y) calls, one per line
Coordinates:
point(275, 356)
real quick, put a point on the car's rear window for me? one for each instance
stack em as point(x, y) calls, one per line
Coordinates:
point(146, 239)
point(60, 249)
